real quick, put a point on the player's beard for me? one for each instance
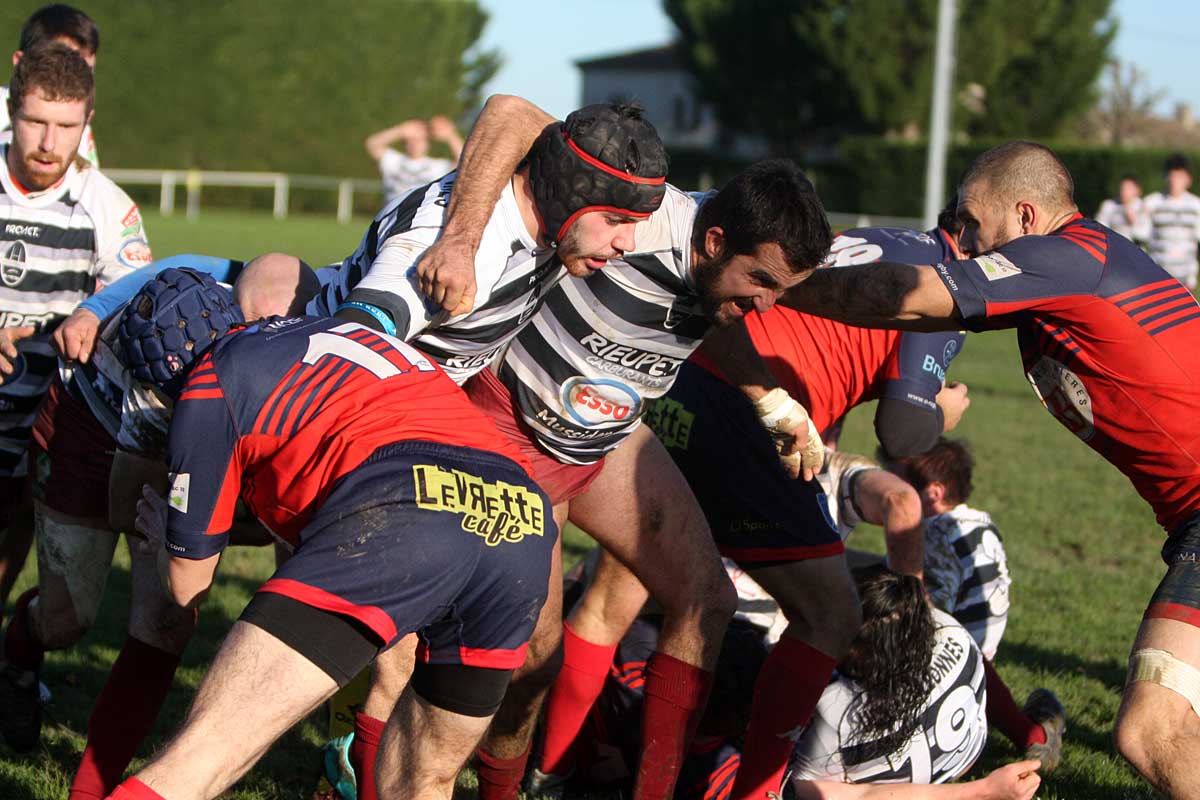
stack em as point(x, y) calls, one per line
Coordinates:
point(574, 260)
point(707, 276)
point(40, 180)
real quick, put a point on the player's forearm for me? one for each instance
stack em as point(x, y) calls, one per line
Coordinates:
point(733, 351)
point(506, 129)
point(379, 141)
point(829, 790)
point(879, 295)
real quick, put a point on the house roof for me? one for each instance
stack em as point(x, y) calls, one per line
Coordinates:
point(661, 57)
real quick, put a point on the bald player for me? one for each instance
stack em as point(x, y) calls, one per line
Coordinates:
point(1111, 345)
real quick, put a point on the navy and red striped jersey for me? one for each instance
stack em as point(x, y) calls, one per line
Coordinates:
point(1110, 343)
point(278, 412)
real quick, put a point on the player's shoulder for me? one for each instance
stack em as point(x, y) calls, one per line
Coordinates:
point(868, 245)
point(670, 226)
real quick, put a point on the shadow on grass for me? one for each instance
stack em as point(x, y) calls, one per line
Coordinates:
point(1110, 672)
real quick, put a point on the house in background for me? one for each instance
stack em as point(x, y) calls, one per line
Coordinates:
point(658, 79)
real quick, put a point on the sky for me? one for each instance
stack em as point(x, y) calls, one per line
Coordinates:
point(541, 40)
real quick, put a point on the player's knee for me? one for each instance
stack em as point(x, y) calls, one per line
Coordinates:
point(1133, 738)
point(166, 627)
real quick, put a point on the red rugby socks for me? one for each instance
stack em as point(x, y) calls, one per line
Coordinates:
point(367, 733)
point(123, 716)
point(585, 667)
point(133, 789)
point(1005, 714)
point(21, 647)
point(500, 778)
point(785, 696)
point(676, 693)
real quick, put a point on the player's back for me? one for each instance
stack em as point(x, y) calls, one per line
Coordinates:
point(310, 399)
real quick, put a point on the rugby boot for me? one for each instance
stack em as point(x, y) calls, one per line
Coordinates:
point(545, 785)
point(338, 769)
point(20, 708)
point(1044, 708)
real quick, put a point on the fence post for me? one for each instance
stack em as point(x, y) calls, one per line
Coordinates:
point(166, 199)
point(194, 182)
point(345, 201)
point(281, 197)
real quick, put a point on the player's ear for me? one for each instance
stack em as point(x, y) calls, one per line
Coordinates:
point(17, 56)
point(714, 242)
point(1027, 217)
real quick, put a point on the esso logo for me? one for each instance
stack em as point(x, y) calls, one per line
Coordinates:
point(597, 401)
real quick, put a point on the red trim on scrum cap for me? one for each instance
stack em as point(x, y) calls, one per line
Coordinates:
point(600, 165)
point(571, 219)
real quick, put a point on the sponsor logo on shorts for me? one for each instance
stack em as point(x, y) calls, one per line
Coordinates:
point(996, 267)
point(12, 264)
point(671, 422)
point(177, 497)
point(135, 253)
point(496, 511)
point(595, 401)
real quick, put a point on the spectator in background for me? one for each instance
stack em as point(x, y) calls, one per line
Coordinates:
point(1171, 222)
point(1123, 213)
point(57, 24)
point(404, 171)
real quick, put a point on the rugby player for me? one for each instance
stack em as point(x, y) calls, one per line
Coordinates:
point(572, 389)
point(64, 25)
point(354, 448)
point(98, 437)
point(402, 172)
point(1170, 222)
point(911, 670)
point(66, 229)
point(1111, 345)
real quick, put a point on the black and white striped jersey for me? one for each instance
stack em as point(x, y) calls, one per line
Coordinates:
point(603, 346)
point(950, 736)
point(56, 247)
point(512, 274)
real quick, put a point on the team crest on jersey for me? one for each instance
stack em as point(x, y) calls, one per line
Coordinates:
point(595, 401)
point(496, 511)
point(12, 264)
point(1064, 395)
point(995, 267)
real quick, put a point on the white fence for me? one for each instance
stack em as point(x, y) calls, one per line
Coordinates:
point(194, 182)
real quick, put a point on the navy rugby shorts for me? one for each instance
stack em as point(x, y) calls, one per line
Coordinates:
point(451, 542)
point(1178, 594)
point(759, 516)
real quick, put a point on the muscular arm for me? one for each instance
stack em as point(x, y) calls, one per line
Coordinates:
point(380, 141)
point(880, 295)
point(190, 579)
point(502, 136)
point(1017, 781)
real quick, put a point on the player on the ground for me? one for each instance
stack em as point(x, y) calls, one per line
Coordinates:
point(1170, 222)
point(1111, 345)
point(905, 707)
point(64, 229)
point(965, 572)
point(407, 511)
point(64, 25)
point(573, 388)
point(98, 437)
point(414, 167)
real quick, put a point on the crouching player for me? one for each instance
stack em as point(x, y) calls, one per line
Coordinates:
point(966, 570)
point(407, 511)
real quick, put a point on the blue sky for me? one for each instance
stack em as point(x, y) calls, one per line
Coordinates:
point(541, 41)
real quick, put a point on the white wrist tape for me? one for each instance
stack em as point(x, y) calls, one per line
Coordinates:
point(1164, 669)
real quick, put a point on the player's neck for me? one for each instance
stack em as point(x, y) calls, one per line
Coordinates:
point(525, 204)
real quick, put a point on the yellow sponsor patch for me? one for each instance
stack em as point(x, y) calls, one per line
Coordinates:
point(496, 511)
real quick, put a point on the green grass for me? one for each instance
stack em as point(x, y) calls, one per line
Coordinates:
point(1082, 547)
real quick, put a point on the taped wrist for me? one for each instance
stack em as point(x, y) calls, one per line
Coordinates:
point(779, 412)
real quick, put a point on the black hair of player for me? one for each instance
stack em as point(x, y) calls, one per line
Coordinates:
point(889, 660)
point(1128, 176)
point(947, 218)
point(1178, 161)
point(950, 463)
point(771, 201)
point(57, 21)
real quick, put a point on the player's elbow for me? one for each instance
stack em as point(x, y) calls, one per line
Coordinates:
point(904, 430)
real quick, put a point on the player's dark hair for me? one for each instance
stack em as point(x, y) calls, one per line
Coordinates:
point(889, 660)
point(59, 72)
point(771, 201)
point(1023, 170)
point(950, 463)
point(1178, 161)
point(57, 21)
point(947, 218)
point(1128, 176)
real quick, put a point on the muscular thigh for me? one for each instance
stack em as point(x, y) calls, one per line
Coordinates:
point(74, 557)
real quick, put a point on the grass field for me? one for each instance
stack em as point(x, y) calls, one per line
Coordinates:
point(1083, 551)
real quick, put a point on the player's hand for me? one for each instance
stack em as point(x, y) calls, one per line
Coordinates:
point(1017, 781)
point(75, 339)
point(800, 447)
point(441, 128)
point(953, 401)
point(151, 520)
point(446, 274)
point(8, 347)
